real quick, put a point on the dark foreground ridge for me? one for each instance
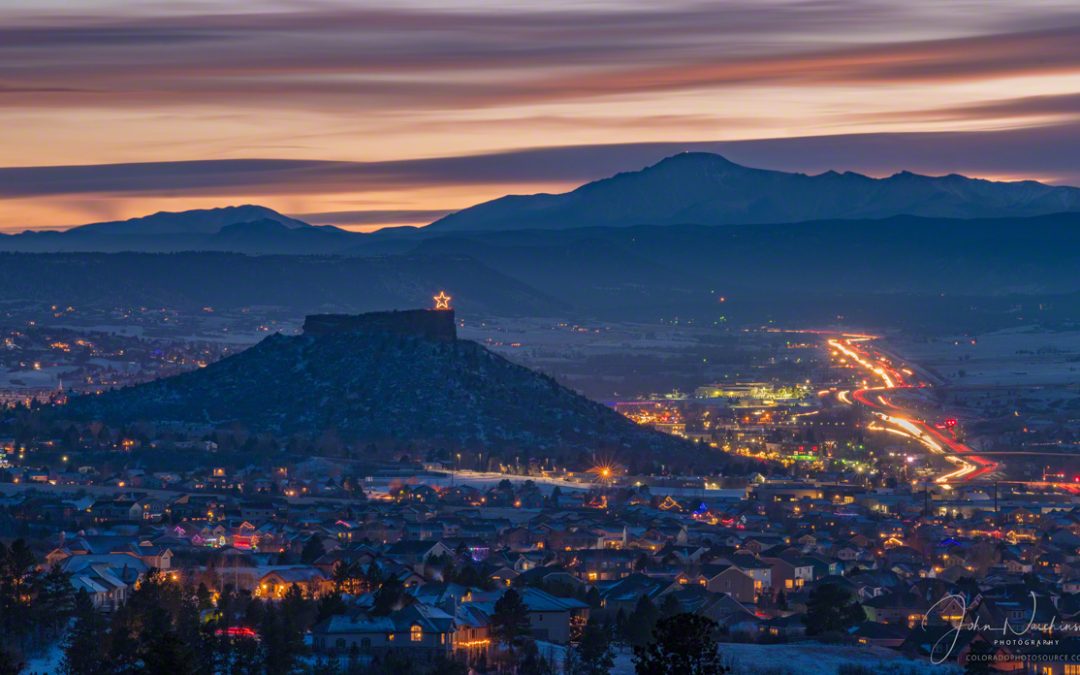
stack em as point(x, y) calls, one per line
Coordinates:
point(395, 379)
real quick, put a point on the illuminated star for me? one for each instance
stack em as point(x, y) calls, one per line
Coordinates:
point(442, 300)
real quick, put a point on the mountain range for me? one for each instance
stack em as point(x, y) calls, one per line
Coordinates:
point(685, 189)
point(244, 229)
point(931, 268)
point(706, 189)
point(379, 377)
point(197, 221)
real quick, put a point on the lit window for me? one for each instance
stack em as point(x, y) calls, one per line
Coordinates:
point(416, 633)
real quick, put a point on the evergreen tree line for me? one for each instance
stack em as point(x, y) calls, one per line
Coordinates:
point(34, 605)
point(166, 626)
point(665, 641)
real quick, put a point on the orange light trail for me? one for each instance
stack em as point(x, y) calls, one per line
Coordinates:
point(969, 465)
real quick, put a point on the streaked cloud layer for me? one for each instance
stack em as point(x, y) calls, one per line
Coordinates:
point(366, 114)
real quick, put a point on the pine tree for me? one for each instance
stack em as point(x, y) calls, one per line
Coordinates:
point(390, 596)
point(977, 661)
point(594, 651)
point(685, 644)
point(123, 647)
point(326, 667)
point(54, 601)
point(830, 608)
point(593, 598)
point(84, 646)
point(312, 551)
point(639, 625)
point(9, 665)
point(272, 652)
point(533, 662)
point(246, 660)
point(329, 605)
point(349, 578)
point(554, 497)
point(297, 614)
point(281, 637)
point(166, 653)
point(16, 579)
point(670, 606)
point(781, 600)
point(202, 595)
point(509, 623)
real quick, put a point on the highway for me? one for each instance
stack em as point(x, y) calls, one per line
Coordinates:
point(894, 419)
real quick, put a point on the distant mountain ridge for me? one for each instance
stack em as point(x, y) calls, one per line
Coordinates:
point(388, 378)
point(693, 188)
point(196, 221)
point(706, 189)
point(243, 229)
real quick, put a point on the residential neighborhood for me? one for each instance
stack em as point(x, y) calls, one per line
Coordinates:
point(759, 564)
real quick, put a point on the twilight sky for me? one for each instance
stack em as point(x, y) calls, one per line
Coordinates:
point(365, 114)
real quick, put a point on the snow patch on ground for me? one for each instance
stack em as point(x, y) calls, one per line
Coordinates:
point(46, 663)
point(807, 658)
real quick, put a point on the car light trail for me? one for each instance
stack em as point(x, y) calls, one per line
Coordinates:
point(968, 464)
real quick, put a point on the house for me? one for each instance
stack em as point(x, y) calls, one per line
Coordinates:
point(275, 583)
point(158, 557)
point(789, 575)
point(550, 576)
point(108, 578)
point(503, 576)
point(472, 637)
point(554, 619)
point(731, 615)
point(522, 539)
point(421, 632)
point(880, 634)
point(783, 627)
point(754, 568)
point(107, 591)
point(258, 510)
point(722, 578)
point(115, 510)
point(900, 608)
point(416, 552)
point(681, 554)
point(150, 509)
point(624, 594)
point(600, 564)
